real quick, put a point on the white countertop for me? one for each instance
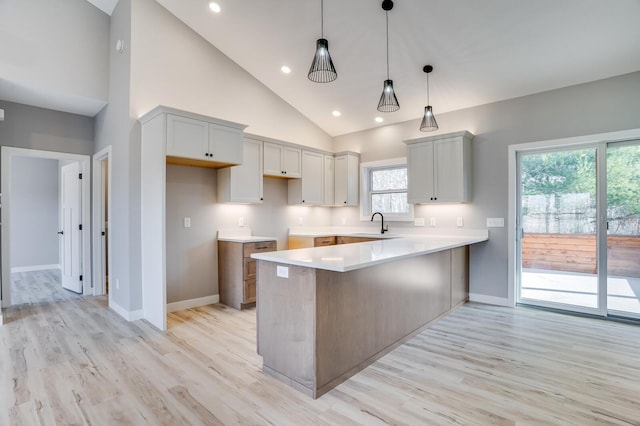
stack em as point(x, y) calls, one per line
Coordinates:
point(249, 239)
point(348, 257)
point(241, 235)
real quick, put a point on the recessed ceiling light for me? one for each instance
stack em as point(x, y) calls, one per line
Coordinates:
point(285, 69)
point(336, 113)
point(379, 119)
point(215, 7)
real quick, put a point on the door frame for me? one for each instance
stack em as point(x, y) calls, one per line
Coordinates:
point(7, 154)
point(596, 140)
point(99, 287)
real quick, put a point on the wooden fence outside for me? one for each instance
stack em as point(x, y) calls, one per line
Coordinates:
point(577, 253)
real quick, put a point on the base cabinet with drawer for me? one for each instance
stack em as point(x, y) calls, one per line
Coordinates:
point(237, 271)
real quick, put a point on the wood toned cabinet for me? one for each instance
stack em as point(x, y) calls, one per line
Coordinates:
point(459, 275)
point(282, 161)
point(439, 168)
point(194, 141)
point(350, 240)
point(296, 242)
point(237, 271)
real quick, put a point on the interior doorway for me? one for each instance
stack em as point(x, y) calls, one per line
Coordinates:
point(102, 221)
point(10, 243)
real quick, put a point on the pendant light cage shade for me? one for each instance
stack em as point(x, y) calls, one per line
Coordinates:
point(322, 69)
point(388, 100)
point(429, 123)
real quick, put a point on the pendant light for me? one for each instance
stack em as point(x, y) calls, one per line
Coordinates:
point(388, 100)
point(322, 69)
point(429, 123)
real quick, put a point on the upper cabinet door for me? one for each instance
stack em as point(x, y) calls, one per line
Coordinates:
point(346, 180)
point(449, 171)
point(187, 137)
point(312, 165)
point(420, 169)
point(329, 181)
point(225, 144)
point(243, 183)
point(273, 160)
point(291, 159)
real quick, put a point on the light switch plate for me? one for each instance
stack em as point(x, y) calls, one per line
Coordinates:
point(432, 221)
point(282, 271)
point(495, 222)
point(241, 221)
point(418, 221)
point(460, 222)
point(187, 222)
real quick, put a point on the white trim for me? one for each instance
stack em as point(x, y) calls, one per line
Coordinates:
point(34, 268)
point(99, 287)
point(128, 315)
point(512, 166)
point(193, 303)
point(490, 300)
point(5, 180)
point(365, 215)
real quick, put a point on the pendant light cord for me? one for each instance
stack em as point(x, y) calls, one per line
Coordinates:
point(321, 18)
point(428, 102)
point(387, 15)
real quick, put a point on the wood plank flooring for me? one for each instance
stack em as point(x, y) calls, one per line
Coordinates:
point(77, 362)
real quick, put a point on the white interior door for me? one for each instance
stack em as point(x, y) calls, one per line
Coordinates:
point(71, 214)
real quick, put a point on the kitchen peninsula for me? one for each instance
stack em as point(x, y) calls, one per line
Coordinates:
point(325, 313)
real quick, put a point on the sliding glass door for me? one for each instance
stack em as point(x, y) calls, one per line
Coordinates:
point(623, 229)
point(558, 229)
point(578, 245)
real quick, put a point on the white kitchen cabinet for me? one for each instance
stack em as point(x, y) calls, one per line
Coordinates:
point(346, 168)
point(243, 183)
point(191, 140)
point(308, 190)
point(328, 197)
point(282, 161)
point(439, 168)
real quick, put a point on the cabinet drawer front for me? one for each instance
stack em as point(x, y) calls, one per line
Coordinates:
point(249, 268)
point(324, 241)
point(351, 240)
point(250, 248)
point(249, 291)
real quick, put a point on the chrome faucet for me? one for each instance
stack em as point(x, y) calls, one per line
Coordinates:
point(382, 227)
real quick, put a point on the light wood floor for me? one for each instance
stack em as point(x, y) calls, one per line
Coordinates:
point(39, 287)
point(77, 362)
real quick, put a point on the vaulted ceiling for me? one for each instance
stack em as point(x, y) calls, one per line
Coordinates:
point(481, 51)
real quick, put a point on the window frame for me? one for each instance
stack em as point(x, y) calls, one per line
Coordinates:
point(366, 170)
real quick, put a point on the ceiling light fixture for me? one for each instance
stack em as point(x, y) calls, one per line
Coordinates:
point(285, 69)
point(429, 123)
point(336, 113)
point(388, 100)
point(379, 119)
point(322, 69)
point(215, 7)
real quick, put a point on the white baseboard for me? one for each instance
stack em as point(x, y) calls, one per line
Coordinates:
point(128, 315)
point(34, 268)
point(193, 303)
point(489, 300)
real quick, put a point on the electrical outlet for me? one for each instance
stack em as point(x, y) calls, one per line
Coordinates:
point(282, 271)
point(117, 284)
point(495, 222)
point(241, 221)
point(460, 222)
point(343, 220)
point(300, 220)
point(418, 221)
point(432, 221)
point(187, 222)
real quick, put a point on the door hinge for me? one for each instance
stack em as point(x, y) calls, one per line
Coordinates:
point(80, 277)
point(80, 227)
point(79, 175)
point(102, 233)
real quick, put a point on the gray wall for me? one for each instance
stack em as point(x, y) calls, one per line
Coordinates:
point(34, 212)
point(598, 107)
point(44, 129)
point(192, 253)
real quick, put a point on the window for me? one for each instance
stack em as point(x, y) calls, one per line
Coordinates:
point(384, 190)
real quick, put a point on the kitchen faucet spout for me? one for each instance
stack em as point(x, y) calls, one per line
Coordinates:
point(383, 229)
